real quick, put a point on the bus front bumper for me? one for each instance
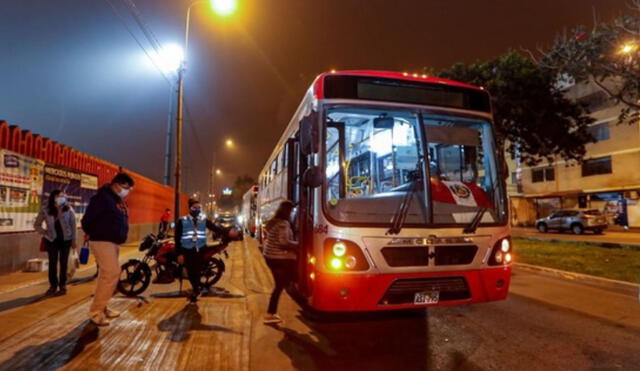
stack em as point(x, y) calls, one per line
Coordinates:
point(335, 292)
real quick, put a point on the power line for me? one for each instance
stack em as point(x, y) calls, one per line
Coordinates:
point(124, 24)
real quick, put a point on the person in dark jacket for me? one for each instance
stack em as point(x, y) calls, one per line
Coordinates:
point(191, 240)
point(59, 235)
point(106, 222)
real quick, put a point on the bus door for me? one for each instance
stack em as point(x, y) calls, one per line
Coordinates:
point(296, 165)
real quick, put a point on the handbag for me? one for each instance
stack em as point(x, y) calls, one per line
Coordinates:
point(43, 244)
point(84, 253)
point(73, 263)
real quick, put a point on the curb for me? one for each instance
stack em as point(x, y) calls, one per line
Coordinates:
point(621, 287)
point(83, 269)
point(615, 245)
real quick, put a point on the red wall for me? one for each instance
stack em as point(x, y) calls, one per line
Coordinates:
point(148, 199)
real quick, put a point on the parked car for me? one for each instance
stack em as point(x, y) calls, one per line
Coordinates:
point(576, 221)
point(227, 221)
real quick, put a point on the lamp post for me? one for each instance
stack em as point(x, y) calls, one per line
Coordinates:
point(223, 8)
point(229, 144)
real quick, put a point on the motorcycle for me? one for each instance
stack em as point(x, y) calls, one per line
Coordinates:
point(136, 275)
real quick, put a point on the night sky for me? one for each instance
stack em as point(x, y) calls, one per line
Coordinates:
point(70, 70)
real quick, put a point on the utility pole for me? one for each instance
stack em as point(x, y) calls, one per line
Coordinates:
point(168, 146)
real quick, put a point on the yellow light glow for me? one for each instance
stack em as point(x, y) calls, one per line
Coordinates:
point(336, 263)
point(628, 48)
point(224, 8)
point(312, 276)
point(507, 258)
point(312, 260)
point(218, 171)
point(415, 75)
point(333, 71)
point(229, 143)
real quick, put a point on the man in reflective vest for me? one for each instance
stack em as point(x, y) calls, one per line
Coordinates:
point(191, 239)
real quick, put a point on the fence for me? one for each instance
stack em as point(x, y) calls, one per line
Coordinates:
point(146, 202)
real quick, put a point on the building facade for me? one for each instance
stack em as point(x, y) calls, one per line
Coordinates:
point(608, 179)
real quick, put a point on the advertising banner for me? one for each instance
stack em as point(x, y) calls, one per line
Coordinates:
point(77, 187)
point(21, 181)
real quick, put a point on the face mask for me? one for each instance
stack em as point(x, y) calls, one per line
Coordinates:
point(195, 213)
point(61, 201)
point(123, 193)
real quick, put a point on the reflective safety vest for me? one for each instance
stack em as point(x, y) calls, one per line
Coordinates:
point(193, 237)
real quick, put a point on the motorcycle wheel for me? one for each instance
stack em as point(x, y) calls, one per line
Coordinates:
point(135, 277)
point(211, 272)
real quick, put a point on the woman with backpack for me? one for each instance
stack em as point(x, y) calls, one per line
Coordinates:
point(280, 254)
point(59, 236)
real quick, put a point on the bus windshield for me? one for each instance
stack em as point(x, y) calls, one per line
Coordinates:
point(376, 157)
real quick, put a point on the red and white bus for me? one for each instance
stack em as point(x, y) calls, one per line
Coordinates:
point(399, 192)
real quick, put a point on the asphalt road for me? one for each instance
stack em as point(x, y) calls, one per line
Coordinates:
point(545, 324)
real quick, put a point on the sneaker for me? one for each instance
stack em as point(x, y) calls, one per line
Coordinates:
point(99, 319)
point(272, 318)
point(110, 313)
point(51, 291)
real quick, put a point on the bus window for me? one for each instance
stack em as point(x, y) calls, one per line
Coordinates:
point(371, 158)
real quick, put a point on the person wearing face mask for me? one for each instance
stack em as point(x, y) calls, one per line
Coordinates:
point(59, 236)
point(190, 242)
point(106, 222)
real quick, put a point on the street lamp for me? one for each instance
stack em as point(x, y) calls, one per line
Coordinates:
point(628, 48)
point(223, 8)
point(169, 60)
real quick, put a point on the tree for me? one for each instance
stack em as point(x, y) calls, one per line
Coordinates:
point(608, 56)
point(533, 119)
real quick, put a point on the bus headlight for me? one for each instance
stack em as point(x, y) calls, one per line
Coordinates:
point(339, 248)
point(350, 262)
point(505, 245)
point(344, 255)
point(336, 263)
point(501, 252)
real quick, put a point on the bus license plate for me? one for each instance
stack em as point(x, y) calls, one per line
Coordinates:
point(429, 297)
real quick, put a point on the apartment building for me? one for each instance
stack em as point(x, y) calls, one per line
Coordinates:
point(609, 174)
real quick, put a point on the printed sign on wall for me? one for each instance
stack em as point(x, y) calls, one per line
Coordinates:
point(21, 180)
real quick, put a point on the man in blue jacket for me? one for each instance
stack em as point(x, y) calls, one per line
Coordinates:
point(106, 223)
point(191, 241)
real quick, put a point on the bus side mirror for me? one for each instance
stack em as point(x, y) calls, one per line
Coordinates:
point(312, 177)
point(309, 134)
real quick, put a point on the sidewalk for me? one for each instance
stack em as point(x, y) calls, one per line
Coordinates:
point(610, 238)
point(14, 281)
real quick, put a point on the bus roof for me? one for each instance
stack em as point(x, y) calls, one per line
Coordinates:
point(318, 84)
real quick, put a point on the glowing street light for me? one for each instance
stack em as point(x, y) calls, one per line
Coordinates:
point(170, 58)
point(628, 48)
point(228, 143)
point(218, 172)
point(224, 8)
